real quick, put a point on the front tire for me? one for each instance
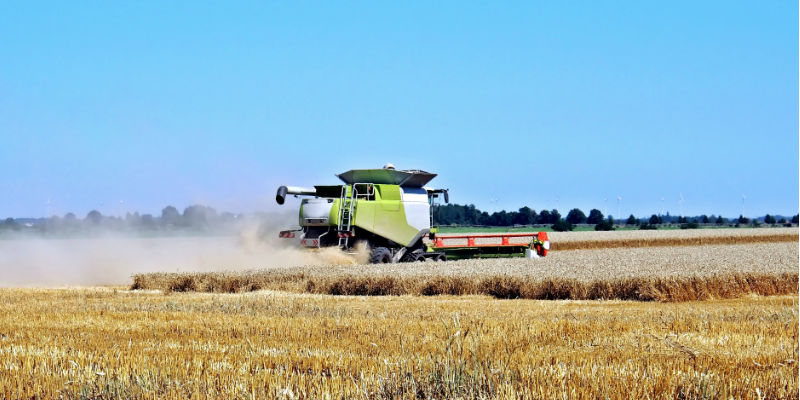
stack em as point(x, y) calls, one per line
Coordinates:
point(380, 255)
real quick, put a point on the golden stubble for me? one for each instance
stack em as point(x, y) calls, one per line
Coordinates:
point(109, 343)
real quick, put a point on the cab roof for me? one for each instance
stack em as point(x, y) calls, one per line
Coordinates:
point(408, 178)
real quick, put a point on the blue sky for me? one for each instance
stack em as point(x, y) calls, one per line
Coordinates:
point(136, 105)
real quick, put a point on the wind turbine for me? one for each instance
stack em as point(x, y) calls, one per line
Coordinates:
point(744, 197)
point(680, 203)
point(619, 206)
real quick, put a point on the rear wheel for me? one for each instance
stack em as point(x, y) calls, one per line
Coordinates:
point(380, 255)
point(440, 257)
point(414, 256)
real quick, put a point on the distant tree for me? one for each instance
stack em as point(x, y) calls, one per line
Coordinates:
point(607, 225)
point(70, 222)
point(631, 220)
point(647, 226)
point(795, 219)
point(147, 221)
point(720, 220)
point(525, 216)
point(595, 217)
point(133, 220)
point(576, 216)
point(654, 220)
point(483, 219)
point(704, 218)
point(94, 217)
point(11, 224)
point(782, 221)
point(743, 220)
point(769, 219)
point(555, 215)
point(199, 216)
point(682, 220)
point(562, 226)
point(53, 224)
point(544, 218)
point(170, 216)
point(472, 215)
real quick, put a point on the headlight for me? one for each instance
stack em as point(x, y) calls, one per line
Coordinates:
point(547, 245)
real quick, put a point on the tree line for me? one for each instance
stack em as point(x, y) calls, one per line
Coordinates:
point(200, 218)
point(456, 214)
point(193, 218)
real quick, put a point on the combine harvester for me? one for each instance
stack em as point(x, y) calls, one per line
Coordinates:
point(393, 212)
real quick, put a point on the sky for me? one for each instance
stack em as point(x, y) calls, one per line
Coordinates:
point(629, 107)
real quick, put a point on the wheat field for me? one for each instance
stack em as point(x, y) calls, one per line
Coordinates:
point(106, 344)
point(276, 332)
point(651, 273)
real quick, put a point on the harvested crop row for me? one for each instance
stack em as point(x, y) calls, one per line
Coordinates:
point(663, 274)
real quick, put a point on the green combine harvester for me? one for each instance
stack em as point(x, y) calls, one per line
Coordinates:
point(392, 211)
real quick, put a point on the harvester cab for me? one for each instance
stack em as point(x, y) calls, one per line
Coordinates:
point(392, 211)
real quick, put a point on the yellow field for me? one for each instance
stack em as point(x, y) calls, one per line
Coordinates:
point(104, 343)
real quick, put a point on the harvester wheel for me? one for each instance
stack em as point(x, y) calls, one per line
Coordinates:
point(441, 257)
point(414, 256)
point(380, 255)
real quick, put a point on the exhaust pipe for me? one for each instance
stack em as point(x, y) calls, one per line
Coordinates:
point(280, 196)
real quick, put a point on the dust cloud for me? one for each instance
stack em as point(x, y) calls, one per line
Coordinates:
point(112, 259)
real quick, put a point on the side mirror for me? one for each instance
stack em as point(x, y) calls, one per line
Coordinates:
point(446, 196)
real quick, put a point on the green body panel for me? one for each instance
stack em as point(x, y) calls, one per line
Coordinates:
point(300, 216)
point(333, 218)
point(384, 216)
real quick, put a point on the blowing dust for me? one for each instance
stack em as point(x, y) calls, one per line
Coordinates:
point(112, 259)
